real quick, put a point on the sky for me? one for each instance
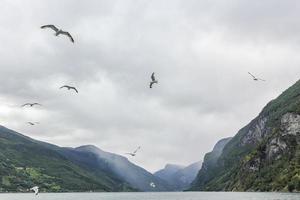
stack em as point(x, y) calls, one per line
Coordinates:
point(200, 50)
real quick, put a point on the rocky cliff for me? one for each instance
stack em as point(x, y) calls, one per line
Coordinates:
point(265, 154)
point(210, 160)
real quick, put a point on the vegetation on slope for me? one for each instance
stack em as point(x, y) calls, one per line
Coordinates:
point(25, 163)
point(245, 163)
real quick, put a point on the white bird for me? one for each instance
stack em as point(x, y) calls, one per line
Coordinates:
point(153, 80)
point(58, 31)
point(152, 185)
point(32, 123)
point(255, 78)
point(69, 88)
point(35, 189)
point(31, 104)
point(134, 153)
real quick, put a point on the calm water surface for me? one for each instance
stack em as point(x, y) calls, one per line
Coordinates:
point(155, 196)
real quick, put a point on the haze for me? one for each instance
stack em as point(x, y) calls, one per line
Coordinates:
point(200, 50)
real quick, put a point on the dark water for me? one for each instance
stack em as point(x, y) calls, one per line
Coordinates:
point(155, 196)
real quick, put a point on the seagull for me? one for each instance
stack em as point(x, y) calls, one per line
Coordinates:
point(32, 123)
point(152, 185)
point(58, 31)
point(35, 189)
point(134, 153)
point(31, 104)
point(153, 80)
point(255, 78)
point(69, 88)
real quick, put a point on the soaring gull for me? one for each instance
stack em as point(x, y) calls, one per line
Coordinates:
point(255, 78)
point(69, 88)
point(58, 31)
point(153, 80)
point(31, 104)
point(32, 123)
point(134, 153)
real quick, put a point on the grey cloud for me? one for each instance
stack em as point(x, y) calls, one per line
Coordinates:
point(201, 52)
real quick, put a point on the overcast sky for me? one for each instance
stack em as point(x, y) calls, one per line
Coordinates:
point(200, 50)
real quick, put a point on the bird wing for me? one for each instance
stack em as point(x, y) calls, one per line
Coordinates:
point(151, 84)
point(136, 149)
point(35, 189)
point(37, 104)
point(64, 86)
point(50, 26)
point(26, 104)
point(261, 79)
point(251, 75)
point(67, 34)
point(153, 77)
point(30, 123)
point(74, 89)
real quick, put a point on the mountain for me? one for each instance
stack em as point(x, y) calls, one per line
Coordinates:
point(25, 162)
point(179, 177)
point(168, 171)
point(210, 160)
point(134, 175)
point(264, 155)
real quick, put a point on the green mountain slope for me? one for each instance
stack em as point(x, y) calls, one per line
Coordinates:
point(210, 160)
point(25, 162)
point(265, 154)
point(122, 168)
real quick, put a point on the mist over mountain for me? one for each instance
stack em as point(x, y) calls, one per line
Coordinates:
point(179, 177)
point(121, 167)
point(25, 162)
point(209, 161)
point(168, 171)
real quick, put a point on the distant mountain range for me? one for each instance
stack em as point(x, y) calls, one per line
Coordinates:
point(179, 177)
point(25, 162)
point(263, 156)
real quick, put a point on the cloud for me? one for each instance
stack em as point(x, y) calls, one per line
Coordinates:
point(200, 51)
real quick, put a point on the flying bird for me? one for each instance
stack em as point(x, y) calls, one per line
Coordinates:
point(35, 189)
point(58, 31)
point(255, 78)
point(32, 123)
point(153, 80)
point(134, 153)
point(69, 88)
point(152, 185)
point(31, 104)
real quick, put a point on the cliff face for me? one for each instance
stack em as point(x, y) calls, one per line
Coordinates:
point(210, 160)
point(264, 155)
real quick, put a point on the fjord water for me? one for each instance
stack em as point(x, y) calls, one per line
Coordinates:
point(155, 196)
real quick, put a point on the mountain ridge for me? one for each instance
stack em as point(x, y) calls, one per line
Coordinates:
point(265, 154)
point(25, 162)
point(180, 177)
point(133, 174)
